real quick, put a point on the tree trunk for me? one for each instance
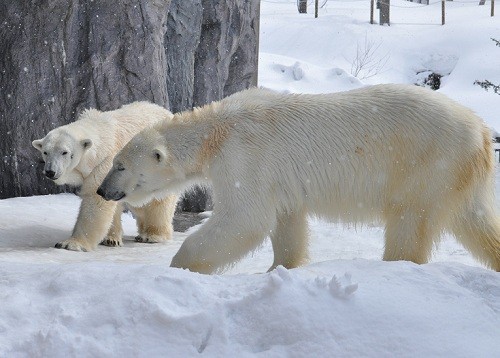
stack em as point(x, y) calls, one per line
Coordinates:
point(58, 57)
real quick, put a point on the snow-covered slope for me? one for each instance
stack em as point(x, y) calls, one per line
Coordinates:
point(326, 47)
point(127, 302)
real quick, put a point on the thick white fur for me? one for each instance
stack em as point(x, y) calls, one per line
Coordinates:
point(408, 156)
point(81, 153)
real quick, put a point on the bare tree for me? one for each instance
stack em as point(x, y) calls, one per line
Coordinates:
point(367, 62)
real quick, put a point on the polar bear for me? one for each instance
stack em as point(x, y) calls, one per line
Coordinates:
point(81, 153)
point(407, 156)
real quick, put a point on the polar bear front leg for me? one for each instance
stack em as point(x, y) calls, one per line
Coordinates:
point(115, 232)
point(219, 243)
point(154, 220)
point(94, 219)
point(290, 239)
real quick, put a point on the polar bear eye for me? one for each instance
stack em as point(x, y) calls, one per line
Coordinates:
point(44, 153)
point(64, 153)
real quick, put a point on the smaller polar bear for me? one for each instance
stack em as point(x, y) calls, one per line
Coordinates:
point(405, 155)
point(81, 153)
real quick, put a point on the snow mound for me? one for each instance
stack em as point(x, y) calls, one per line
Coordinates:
point(294, 72)
point(442, 64)
point(279, 72)
point(116, 309)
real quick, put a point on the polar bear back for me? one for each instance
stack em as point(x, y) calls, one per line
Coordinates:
point(120, 124)
point(349, 155)
point(111, 130)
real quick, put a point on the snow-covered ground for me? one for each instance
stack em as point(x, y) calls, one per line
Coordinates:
point(127, 302)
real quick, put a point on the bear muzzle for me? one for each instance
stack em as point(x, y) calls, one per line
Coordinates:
point(110, 196)
point(50, 174)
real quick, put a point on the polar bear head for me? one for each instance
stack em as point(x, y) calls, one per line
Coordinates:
point(61, 153)
point(143, 170)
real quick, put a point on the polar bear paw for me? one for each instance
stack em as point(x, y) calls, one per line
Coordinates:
point(73, 245)
point(151, 239)
point(112, 241)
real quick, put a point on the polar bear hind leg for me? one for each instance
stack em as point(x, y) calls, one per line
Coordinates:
point(154, 220)
point(418, 211)
point(410, 233)
point(477, 224)
point(461, 201)
point(477, 228)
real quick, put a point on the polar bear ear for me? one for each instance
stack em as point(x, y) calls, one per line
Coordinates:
point(86, 143)
point(37, 143)
point(159, 155)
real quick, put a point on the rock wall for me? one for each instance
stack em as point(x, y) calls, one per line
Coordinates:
point(58, 57)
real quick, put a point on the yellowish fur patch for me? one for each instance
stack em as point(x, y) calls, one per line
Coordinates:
point(212, 144)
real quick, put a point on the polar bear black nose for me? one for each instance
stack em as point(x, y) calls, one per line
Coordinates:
point(50, 174)
point(100, 192)
point(106, 195)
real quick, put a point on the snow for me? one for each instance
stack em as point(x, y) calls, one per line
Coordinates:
point(347, 302)
point(324, 48)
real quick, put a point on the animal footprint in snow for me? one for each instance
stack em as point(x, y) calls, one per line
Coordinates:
point(342, 287)
point(339, 287)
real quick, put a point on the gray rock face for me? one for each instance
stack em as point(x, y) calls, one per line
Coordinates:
point(181, 41)
point(228, 43)
point(224, 60)
point(58, 57)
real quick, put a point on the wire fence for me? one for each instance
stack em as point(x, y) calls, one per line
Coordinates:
point(384, 7)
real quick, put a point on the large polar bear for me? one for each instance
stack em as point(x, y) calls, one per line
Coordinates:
point(81, 153)
point(413, 158)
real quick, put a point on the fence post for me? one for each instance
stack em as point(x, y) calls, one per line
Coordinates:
point(492, 8)
point(316, 5)
point(302, 4)
point(372, 5)
point(443, 12)
point(385, 12)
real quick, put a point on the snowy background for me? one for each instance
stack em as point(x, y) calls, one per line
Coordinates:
point(347, 302)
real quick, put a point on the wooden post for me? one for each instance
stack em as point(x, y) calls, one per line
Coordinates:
point(385, 12)
point(492, 8)
point(302, 6)
point(372, 5)
point(443, 6)
point(316, 5)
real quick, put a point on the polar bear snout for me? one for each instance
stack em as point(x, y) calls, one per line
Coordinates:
point(51, 171)
point(50, 174)
point(101, 193)
point(110, 195)
point(109, 190)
